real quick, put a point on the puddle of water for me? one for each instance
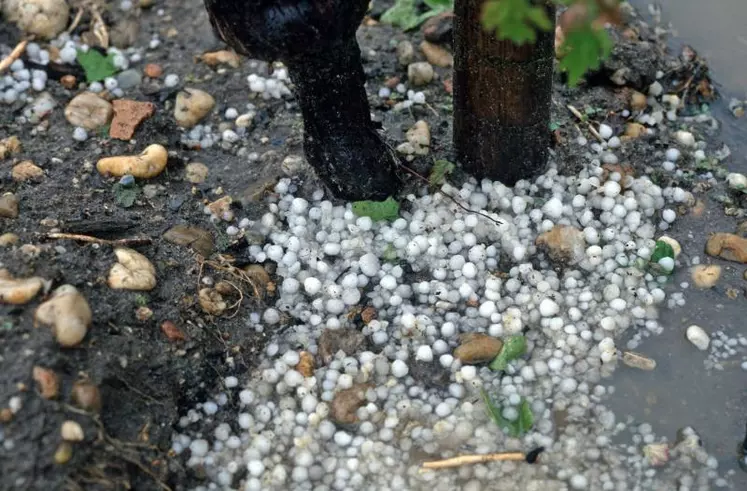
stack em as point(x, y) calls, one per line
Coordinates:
point(718, 32)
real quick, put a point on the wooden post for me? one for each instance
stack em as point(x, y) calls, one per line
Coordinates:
point(502, 98)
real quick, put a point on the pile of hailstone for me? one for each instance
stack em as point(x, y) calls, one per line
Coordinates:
point(445, 281)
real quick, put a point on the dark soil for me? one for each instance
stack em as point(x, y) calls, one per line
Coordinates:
point(147, 381)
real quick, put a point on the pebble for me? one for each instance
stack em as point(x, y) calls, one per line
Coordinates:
point(563, 243)
point(42, 18)
point(698, 337)
point(8, 205)
point(420, 73)
point(478, 348)
point(26, 171)
point(727, 246)
point(706, 275)
point(436, 55)
point(128, 115)
point(192, 105)
point(405, 53)
point(88, 111)
point(196, 172)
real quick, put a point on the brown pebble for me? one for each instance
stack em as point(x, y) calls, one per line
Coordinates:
point(8, 206)
point(478, 348)
point(26, 171)
point(6, 415)
point(86, 395)
point(346, 402)
point(727, 246)
point(437, 55)
point(143, 314)
point(368, 314)
point(637, 360)
point(9, 146)
point(172, 331)
point(305, 365)
point(9, 239)
point(153, 70)
point(69, 81)
point(47, 382)
point(128, 115)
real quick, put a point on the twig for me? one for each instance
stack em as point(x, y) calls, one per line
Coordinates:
point(76, 21)
point(529, 458)
point(135, 241)
point(582, 119)
point(14, 55)
point(468, 210)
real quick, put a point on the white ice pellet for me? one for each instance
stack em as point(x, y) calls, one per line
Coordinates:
point(698, 337)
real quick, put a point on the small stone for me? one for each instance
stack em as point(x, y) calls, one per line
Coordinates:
point(420, 73)
point(346, 402)
point(222, 57)
point(563, 243)
point(697, 336)
point(63, 454)
point(150, 163)
point(153, 70)
point(47, 382)
point(172, 331)
point(626, 171)
point(737, 181)
point(656, 453)
point(196, 172)
point(637, 360)
point(638, 101)
point(68, 314)
point(439, 28)
point(9, 146)
point(419, 138)
point(436, 55)
point(478, 348)
point(129, 78)
point(198, 239)
point(212, 302)
point(143, 314)
point(128, 115)
point(220, 206)
point(685, 138)
point(634, 130)
point(86, 395)
point(8, 206)
point(132, 271)
point(71, 431)
point(405, 53)
point(192, 105)
point(19, 291)
point(305, 364)
point(89, 111)
point(9, 239)
point(26, 171)
point(727, 246)
point(706, 275)
point(349, 341)
point(69, 81)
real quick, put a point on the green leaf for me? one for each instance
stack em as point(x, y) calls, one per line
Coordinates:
point(523, 423)
point(526, 418)
point(377, 210)
point(125, 196)
point(390, 254)
point(96, 65)
point(584, 49)
point(441, 169)
point(513, 348)
point(404, 13)
point(661, 250)
point(515, 20)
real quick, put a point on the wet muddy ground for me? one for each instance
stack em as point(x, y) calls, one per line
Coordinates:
point(148, 379)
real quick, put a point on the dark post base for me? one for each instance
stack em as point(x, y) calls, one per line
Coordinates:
point(502, 98)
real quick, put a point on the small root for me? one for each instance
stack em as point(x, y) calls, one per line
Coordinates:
point(132, 242)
